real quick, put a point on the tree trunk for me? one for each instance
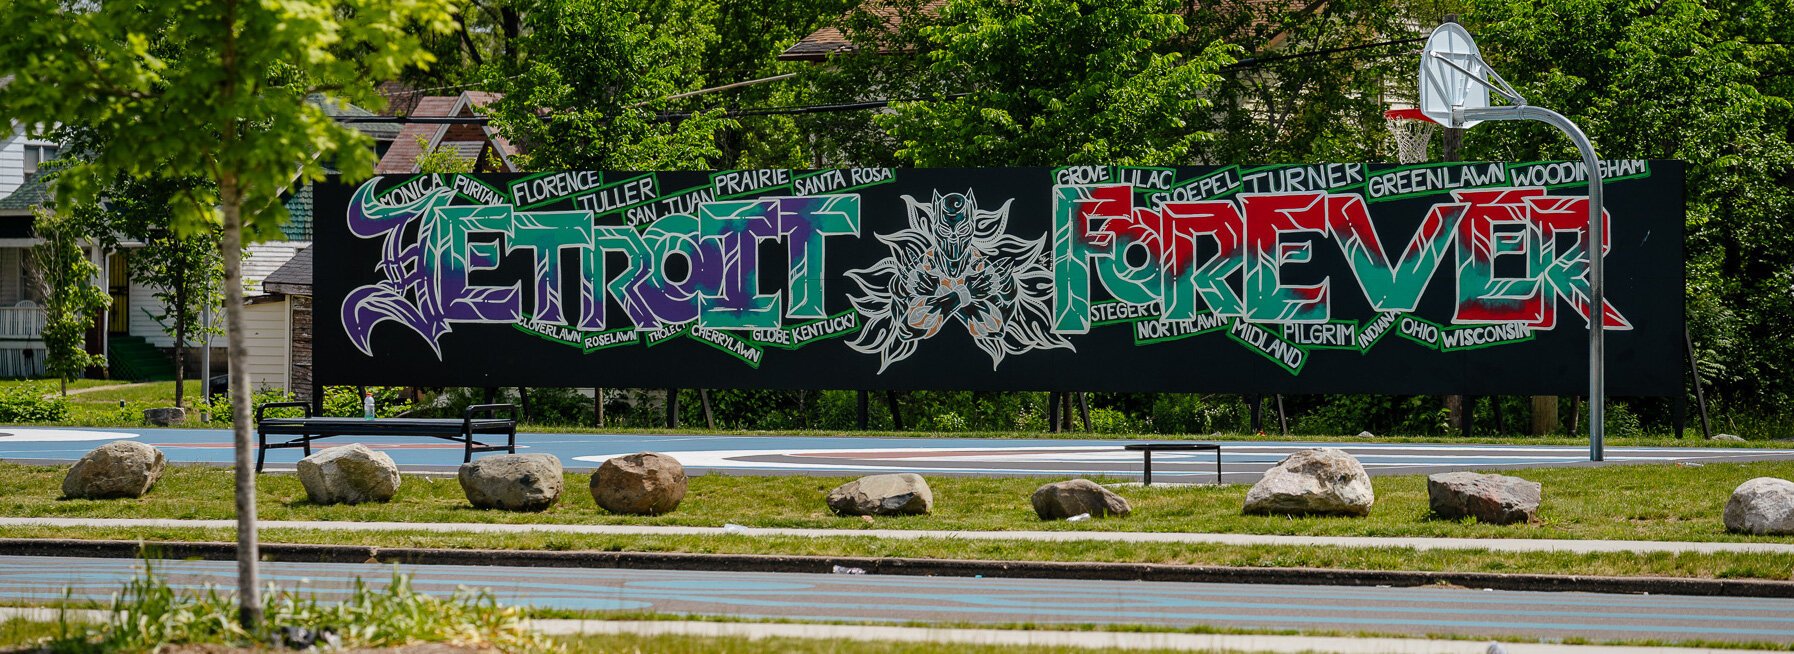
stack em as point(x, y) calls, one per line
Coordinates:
point(180, 343)
point(248, 585)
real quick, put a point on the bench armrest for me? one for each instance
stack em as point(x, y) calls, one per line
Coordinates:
point(490, 408)
point(278, 405)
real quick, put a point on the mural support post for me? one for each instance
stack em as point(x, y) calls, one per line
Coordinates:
point(1700, 397)
point(1084, 409)
point(1052, 415)
point(598, 408)
point(896, 415)
point(861, 417)
point(672, 408)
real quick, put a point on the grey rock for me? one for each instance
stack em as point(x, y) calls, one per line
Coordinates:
point(1064, 499)
point(513, 482)
point(165, 416)
point(1492, 499)
point(116, 469)
point(1764, 505)
point(350, 474)
point(645, 483)
point(1366, 434)
point(1728, 437)
point(899, 494)
point(1318, 481)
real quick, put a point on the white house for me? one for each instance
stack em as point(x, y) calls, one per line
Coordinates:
point(132, 317)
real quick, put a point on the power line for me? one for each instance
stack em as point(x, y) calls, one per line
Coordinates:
point(1250, 62)
point(668, 116)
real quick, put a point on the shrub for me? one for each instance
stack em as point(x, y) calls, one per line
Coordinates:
point(150, 615)
point(345, 401)
point(220, 411)
point(32, 402)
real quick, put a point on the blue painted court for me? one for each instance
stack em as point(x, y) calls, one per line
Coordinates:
point(1545, 616)
point(1242, 461)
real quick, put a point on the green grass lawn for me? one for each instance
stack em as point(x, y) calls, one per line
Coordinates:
point(1613, 502)
point(1631, 502)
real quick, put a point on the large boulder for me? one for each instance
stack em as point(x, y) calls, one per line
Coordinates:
point(1764, 505)
point(116, 469)
point(1492, 499)
point(900, 494)
point(1064, 499)
point(350, 474)
point(646, 483)
point(513, 482)
point(1318, 481)
point(165, 416)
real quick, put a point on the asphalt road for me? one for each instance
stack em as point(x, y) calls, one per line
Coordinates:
point(1241, 461)
point(874, 598)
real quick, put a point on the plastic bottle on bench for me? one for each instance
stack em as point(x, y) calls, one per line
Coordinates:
point(367, 406)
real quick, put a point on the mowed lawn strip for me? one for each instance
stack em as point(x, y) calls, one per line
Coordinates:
point(1658, 564)
point(1621, 502)
point(1616, 502)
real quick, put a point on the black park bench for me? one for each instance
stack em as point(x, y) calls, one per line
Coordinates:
point(1149, 448)
point(463, 430)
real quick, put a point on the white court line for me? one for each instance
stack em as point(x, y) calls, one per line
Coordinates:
point(36, 435)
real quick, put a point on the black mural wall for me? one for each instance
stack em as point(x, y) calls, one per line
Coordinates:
point(1333, 278)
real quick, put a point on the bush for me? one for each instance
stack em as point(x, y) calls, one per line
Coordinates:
point(345, 401)
point(220, 411)
point(151, 615)
point(32, 402)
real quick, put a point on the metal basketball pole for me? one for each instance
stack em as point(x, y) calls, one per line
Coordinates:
point(1597, 379)
point(1465, 102)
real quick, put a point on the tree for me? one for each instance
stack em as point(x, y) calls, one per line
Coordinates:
point(214, 90)
point(186, 272)
point(1314, 84)
point(1052, 82)
point(440, 159)
point(577, 99)
point(1677, 79)
point(72, 301)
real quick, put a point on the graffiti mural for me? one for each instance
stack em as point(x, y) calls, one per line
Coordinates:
point(1231, 278)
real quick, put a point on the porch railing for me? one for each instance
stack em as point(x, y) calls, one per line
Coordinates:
point(21, 323)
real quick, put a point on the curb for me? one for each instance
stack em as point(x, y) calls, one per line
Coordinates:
point(306, 553)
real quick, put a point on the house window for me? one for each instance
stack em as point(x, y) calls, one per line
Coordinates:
point(38, 154)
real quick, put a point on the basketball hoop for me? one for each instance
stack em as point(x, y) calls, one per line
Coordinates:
point(1413, 131)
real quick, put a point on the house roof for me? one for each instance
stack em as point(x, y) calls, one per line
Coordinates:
point(379, 131)
point(293, 277)
point(818, 45)
point(402, 156)
point(33, 193)
point(299, 214)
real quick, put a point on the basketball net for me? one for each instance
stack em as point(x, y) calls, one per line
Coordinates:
point(1412, 131)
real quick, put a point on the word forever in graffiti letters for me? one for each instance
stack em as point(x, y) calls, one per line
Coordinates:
point(1250, 242)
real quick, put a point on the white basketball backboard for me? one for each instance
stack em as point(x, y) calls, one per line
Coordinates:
point(1443, 86)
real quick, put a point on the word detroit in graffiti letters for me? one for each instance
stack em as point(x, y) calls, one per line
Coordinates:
point(1133, 246)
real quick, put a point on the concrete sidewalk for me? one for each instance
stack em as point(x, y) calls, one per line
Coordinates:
point(1180, 642)
point(1489, 544)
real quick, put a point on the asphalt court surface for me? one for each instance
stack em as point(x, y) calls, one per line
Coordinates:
point(886, 599)
point(1241, 461)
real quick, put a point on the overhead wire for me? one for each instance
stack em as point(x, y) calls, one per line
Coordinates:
point(668, 116)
